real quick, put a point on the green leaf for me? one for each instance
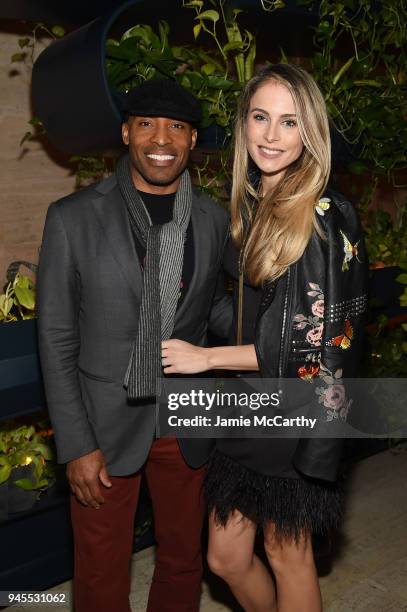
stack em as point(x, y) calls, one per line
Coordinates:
point(357, 167)
point(43, 449)
point(249, 61)
point(5, 471)
point(194, 3)
point(402, 278)
point(23, 42)
point(367, 82)
point(283, 56)
point(217, 82)
point(197, 29)
point(231, 46)
point(163, 29)
point(209, 15)
point(6, 304)
point(25, 297)
point(342, 70)
point(35, 121)
point(208, 69)
point(58, 31)
point(18, 57)
point(24, 483)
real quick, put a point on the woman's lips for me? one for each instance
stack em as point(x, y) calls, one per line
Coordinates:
point(270, 152)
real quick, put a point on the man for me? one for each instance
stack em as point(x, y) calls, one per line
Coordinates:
point(124, 264)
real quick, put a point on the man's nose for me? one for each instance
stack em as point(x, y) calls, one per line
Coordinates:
point(162, 135)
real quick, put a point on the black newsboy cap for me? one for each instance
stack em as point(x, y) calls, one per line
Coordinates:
point(162, 98)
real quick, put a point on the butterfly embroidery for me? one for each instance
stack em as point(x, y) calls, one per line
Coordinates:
point(344, 340)
point(350, 250)
point(322, 206)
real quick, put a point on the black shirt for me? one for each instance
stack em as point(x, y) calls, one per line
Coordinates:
point(160, 208)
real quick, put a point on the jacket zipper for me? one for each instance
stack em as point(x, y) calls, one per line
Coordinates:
point(284, 325)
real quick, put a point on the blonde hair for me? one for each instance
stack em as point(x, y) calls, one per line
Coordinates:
point(277, 234)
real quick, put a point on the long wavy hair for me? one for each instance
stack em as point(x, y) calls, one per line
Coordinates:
point(272, 232)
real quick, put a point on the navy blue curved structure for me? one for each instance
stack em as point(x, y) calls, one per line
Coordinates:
point(71, 94)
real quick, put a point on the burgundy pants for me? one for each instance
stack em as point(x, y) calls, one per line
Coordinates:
point(104, 537)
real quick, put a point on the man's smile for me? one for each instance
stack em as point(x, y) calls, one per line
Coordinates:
point(160, 157)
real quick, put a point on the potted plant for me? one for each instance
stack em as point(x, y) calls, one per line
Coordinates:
point(17, 302)
point(27, 465)
point(20, 378)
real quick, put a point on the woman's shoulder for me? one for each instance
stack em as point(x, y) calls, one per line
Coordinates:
point(336, 213)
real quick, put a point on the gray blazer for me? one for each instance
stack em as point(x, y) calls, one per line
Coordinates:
point(89, 291)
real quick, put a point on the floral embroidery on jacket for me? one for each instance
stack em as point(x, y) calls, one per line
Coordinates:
point(314, 321)
point(332, 395)
point(313, 335)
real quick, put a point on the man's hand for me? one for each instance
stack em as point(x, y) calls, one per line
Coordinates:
point(85, 474)
point(179, 357)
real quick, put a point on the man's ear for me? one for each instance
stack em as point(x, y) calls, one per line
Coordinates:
point(125, 133)
point(194, 136)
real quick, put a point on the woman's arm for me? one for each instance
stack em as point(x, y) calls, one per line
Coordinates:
point(179, 357)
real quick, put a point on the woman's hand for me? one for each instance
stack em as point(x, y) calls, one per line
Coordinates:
point(179, 357)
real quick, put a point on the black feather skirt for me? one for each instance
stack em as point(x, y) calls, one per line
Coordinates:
point(294, 505)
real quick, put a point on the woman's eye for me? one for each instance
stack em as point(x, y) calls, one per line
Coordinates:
point(290, 123)
point(259, 117)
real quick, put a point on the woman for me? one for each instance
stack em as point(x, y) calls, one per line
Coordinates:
point(297, 262)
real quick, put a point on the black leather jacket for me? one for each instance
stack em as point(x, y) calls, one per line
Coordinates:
point(310, 326)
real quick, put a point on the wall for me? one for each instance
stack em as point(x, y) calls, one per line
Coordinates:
point(30, 177)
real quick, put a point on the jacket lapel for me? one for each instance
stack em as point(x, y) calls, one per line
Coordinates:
point(112, 215)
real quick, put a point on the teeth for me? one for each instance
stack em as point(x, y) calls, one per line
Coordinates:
point(267, 150)
point(160, 157)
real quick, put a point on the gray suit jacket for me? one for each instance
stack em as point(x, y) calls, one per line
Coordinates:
point(89, 292)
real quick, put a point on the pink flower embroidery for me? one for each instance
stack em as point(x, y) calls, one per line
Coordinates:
point(314, 335)
point(318, 308)
point(334, 397)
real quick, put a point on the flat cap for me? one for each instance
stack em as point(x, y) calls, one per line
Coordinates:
point(162, 98)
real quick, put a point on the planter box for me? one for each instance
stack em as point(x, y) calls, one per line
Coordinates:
point(46, 556)
point(21, 389)
point(20, 500)
point(3, 501)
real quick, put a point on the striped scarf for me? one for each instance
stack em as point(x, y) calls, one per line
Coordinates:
point(164, 246)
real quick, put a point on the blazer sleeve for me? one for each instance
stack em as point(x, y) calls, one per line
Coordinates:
point(58, 291)
point(345, 301)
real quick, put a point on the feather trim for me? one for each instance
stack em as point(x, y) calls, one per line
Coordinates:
point(294, 505)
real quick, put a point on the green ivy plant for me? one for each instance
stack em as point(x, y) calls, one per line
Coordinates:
point(366, 92)
point(386, 240)
point(23, 446)
point(360, 64)
point(17, 302)
point(215, 75)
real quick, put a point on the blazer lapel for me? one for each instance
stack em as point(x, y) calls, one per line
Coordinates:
point(112, 215)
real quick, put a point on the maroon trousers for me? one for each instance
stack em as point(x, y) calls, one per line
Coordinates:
point(104, 537)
